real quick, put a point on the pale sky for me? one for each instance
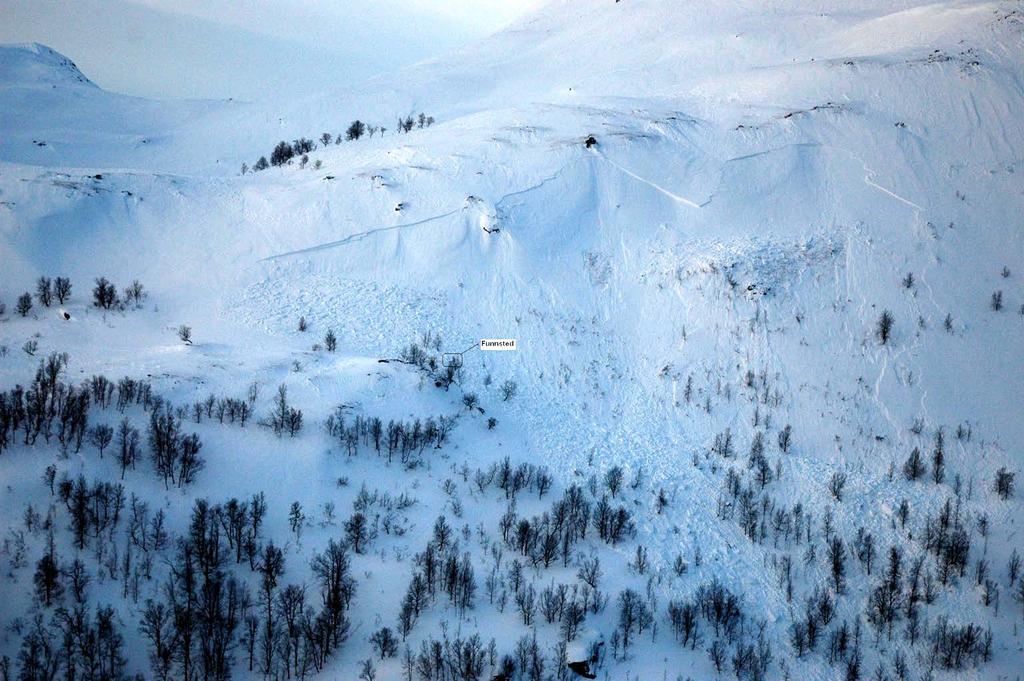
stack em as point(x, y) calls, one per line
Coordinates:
point(247, 49)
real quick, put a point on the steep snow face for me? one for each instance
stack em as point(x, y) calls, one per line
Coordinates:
point(764, 180)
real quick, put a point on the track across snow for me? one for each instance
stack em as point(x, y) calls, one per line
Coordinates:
point(672, 195)
point(358, 237)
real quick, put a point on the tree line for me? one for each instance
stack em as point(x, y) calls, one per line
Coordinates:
point(284, 153)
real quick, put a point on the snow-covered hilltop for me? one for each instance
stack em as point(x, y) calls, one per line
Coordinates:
point(32, 65)
point(755, 256)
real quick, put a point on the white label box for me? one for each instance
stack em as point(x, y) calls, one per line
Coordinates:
point(498, 344)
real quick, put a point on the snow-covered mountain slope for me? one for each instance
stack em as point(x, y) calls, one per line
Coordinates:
point(54, 116)
point(765, 181)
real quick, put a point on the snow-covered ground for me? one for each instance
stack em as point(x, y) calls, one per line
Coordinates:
point(766, 180)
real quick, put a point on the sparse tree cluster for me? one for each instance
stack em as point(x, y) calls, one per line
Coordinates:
point(1004, 483)
point(883, 329)
point(422, 355)
point(105, 296)
point(407, 439)
point(208, 617)
point(409, 122)
point(223, 409)
point(283, 418)
point(24, 305)
point(48, 408)
point(48, 289)
point(175, 454)
point(74, 638)
point(284, 153)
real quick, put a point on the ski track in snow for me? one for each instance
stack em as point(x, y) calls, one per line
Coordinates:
point(675, 197)
point(871, 183)
point(869, 174)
